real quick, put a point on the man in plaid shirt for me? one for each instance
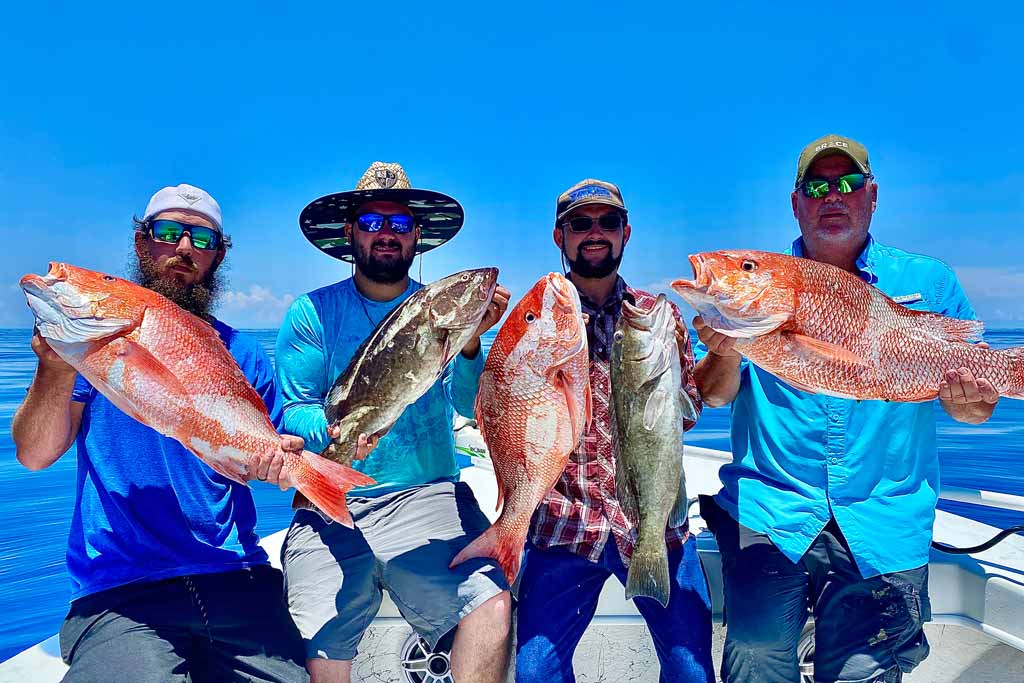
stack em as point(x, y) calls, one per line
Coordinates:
point(569, 557)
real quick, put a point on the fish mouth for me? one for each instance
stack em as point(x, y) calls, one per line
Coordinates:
point(636, 317)
point(701, 278)
point(565, 295)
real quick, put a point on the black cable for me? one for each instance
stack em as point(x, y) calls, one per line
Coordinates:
point(998, 538)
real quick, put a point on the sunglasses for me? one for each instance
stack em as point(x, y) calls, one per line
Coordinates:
point(610, 222)
point(171, 232)
point(374, 222)
point(818, 188)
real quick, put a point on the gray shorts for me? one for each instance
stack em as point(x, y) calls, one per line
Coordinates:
point(402, 542)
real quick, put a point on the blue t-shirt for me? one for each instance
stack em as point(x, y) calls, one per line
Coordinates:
point(147, 508)
point(800, 459)
point(321, 332)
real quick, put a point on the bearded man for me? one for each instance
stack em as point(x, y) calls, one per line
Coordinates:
point(169, 582)
point(418, 515)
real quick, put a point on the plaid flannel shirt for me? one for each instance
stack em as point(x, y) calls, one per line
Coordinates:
point(582, 509)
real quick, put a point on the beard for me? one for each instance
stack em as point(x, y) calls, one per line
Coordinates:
point(387, 270)
point(603, 268)
point(198, 299)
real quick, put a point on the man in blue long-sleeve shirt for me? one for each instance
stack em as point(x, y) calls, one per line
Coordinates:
point(418, 515)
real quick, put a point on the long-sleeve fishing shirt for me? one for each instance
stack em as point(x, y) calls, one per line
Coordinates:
point(582, 511)
point(320, 334)
point(800, 459)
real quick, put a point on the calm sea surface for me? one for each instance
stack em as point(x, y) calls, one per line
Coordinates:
point(36, 506)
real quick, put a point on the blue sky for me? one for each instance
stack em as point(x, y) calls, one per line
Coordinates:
point(697, 113)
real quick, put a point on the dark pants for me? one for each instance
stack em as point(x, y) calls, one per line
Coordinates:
point(230, 626)
point(558, 597)
point(866, 630)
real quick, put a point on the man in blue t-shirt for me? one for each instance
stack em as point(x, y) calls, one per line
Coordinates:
point(168, 578)
point(828, 504)
point(418, 515)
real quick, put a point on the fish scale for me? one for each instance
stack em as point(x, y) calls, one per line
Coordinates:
point(170, 370)
point(824, 330)
point(532, 407)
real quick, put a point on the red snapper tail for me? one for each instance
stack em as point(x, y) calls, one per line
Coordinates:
point(498, 544)
point(325, 484)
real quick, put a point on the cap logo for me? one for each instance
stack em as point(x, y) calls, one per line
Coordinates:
point(190, 195)
point(588, 191)
point(385, 178)
point(831, 143)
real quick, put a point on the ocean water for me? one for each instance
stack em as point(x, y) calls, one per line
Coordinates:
point(36, 506)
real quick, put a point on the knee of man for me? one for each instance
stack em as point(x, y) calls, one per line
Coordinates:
point(496, 612)
point(760, 637)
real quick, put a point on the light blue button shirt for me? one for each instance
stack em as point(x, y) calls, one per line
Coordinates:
point(321, 332)
point(800, 459)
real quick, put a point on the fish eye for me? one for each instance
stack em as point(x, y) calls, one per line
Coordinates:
point(108, 278)
point(465, 276)
point(749, 266)
point(530, 317)
point(618, 335)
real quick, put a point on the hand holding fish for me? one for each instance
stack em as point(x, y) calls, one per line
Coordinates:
point(967, 398)
point(271, 464)
point(717, 343)
point(48, 358)
point(495, 310)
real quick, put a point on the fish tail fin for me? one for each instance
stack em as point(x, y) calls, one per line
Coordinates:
point(505, 548)
point(325, 484)
point(648, 572)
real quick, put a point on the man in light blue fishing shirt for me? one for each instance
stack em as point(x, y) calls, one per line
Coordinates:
point(829, 503)
point(418, 515)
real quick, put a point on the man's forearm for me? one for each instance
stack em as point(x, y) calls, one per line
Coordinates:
point(718, 379)
point(42, 426)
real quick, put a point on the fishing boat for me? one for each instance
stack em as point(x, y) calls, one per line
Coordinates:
point(976, 632)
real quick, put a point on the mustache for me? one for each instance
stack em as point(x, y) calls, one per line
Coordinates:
point(185, 261)
point(387, 242)
point(838, 207)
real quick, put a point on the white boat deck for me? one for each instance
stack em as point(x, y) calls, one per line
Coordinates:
point(977, 633)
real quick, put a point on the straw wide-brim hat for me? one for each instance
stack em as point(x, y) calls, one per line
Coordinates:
point(323, 221)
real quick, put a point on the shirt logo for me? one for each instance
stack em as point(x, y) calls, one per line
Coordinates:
point(908, 298)
point(588, 191)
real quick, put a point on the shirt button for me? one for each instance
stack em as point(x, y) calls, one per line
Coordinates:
point(834, 418)
point(834, 461)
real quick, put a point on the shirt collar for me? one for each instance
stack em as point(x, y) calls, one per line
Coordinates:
point(611, 305)
point(866, 260)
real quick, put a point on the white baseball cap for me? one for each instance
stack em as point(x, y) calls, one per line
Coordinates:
point(184, 196)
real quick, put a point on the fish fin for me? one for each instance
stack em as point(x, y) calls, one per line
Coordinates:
point(689, 410)
point(944, 327)
point(654, 407)
point(680, 511)
point(506, 549)
point(589, 407)
point(648, 573)
point(625, 491)
point(325, 483)
point(816, 347)
point(563, 383)
point(147, 366)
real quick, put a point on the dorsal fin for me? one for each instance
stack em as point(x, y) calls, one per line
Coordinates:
point(945, 328)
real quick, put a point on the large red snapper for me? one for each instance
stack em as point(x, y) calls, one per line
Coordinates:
point(826, 331)
point(170, 370)
point(532, 407)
